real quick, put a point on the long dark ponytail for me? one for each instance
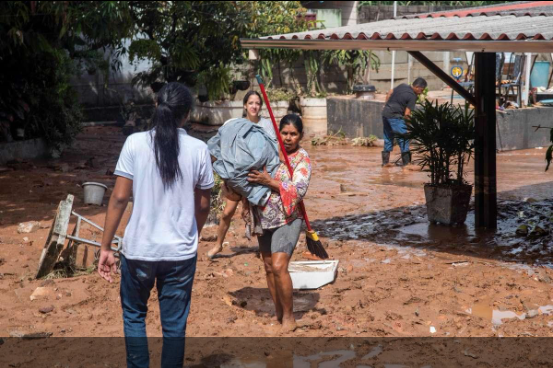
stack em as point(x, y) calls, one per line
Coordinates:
point(174, 102)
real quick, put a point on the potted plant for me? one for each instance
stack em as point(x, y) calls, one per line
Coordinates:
point(443, 137)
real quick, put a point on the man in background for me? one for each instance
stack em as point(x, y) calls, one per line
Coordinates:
point(399, 103)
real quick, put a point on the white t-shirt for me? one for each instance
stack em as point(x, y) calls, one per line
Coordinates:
point(163, 225)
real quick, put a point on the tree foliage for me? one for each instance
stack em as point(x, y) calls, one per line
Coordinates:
point(42, 44)
point(268, 18)
point(187, 40)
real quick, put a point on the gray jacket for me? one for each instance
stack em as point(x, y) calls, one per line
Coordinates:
point(239, 147)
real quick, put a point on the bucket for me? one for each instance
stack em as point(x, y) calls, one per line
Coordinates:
point(540, 74)
point(94, 193)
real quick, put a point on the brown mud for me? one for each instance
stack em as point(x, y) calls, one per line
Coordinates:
point(398, 275)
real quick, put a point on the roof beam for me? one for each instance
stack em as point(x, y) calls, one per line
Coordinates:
point(541, 46)
point(443, 76)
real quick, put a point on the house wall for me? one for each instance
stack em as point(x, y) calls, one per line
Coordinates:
point(350, 9)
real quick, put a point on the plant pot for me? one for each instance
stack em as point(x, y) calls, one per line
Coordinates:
point(449, 204)
point(241, 85)
point(280, 109)
point(314, 116)
point(364, 91)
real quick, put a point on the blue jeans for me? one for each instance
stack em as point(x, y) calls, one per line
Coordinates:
point(395, 128)
point(174, 285)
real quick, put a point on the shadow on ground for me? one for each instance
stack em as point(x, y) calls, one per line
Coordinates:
point(259, 300)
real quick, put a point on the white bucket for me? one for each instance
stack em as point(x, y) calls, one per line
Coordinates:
point(94, 193)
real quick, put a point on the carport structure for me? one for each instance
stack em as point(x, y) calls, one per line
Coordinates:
point(515, 27)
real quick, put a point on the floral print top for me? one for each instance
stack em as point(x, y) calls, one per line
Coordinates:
point(282, 207)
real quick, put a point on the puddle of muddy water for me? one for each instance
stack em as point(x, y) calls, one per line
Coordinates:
point(436, 232)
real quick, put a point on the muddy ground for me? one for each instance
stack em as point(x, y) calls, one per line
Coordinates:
point(398, 276)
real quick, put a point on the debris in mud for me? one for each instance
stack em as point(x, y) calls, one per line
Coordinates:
point(42, 293)
point(537, 232)
point(28, 227)
point(364, 141)
point(522, 230)
point(46, 310)
point(30, 335)
point(333, 139)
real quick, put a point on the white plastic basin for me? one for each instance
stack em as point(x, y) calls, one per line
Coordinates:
point(312, 274)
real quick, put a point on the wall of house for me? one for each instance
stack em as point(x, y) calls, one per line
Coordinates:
point(349, 9)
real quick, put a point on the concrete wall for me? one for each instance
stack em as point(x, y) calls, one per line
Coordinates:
point(356, 118)
point(360, 118)
point(95, 91)
point(514, 128)
point(23, 150)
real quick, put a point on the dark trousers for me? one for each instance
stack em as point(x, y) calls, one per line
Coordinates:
point(395, 128)
point(174, 285)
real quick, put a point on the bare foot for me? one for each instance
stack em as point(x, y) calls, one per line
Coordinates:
point(288, 327)
point(213, 251)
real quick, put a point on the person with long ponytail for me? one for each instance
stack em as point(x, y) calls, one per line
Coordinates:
point(170, 177)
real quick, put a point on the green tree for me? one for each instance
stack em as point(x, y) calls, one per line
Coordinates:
point(268, 18)
point(187, 40)
point(42, 44)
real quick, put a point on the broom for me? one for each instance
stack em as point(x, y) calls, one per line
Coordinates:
point(314, 245)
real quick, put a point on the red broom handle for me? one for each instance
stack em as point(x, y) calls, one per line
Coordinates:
point(281, 144)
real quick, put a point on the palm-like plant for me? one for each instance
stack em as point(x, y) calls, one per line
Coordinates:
point(443, 136)
point(356, 63)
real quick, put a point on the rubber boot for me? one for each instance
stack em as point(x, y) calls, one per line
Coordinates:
point(385, 158)
point(406, 158)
